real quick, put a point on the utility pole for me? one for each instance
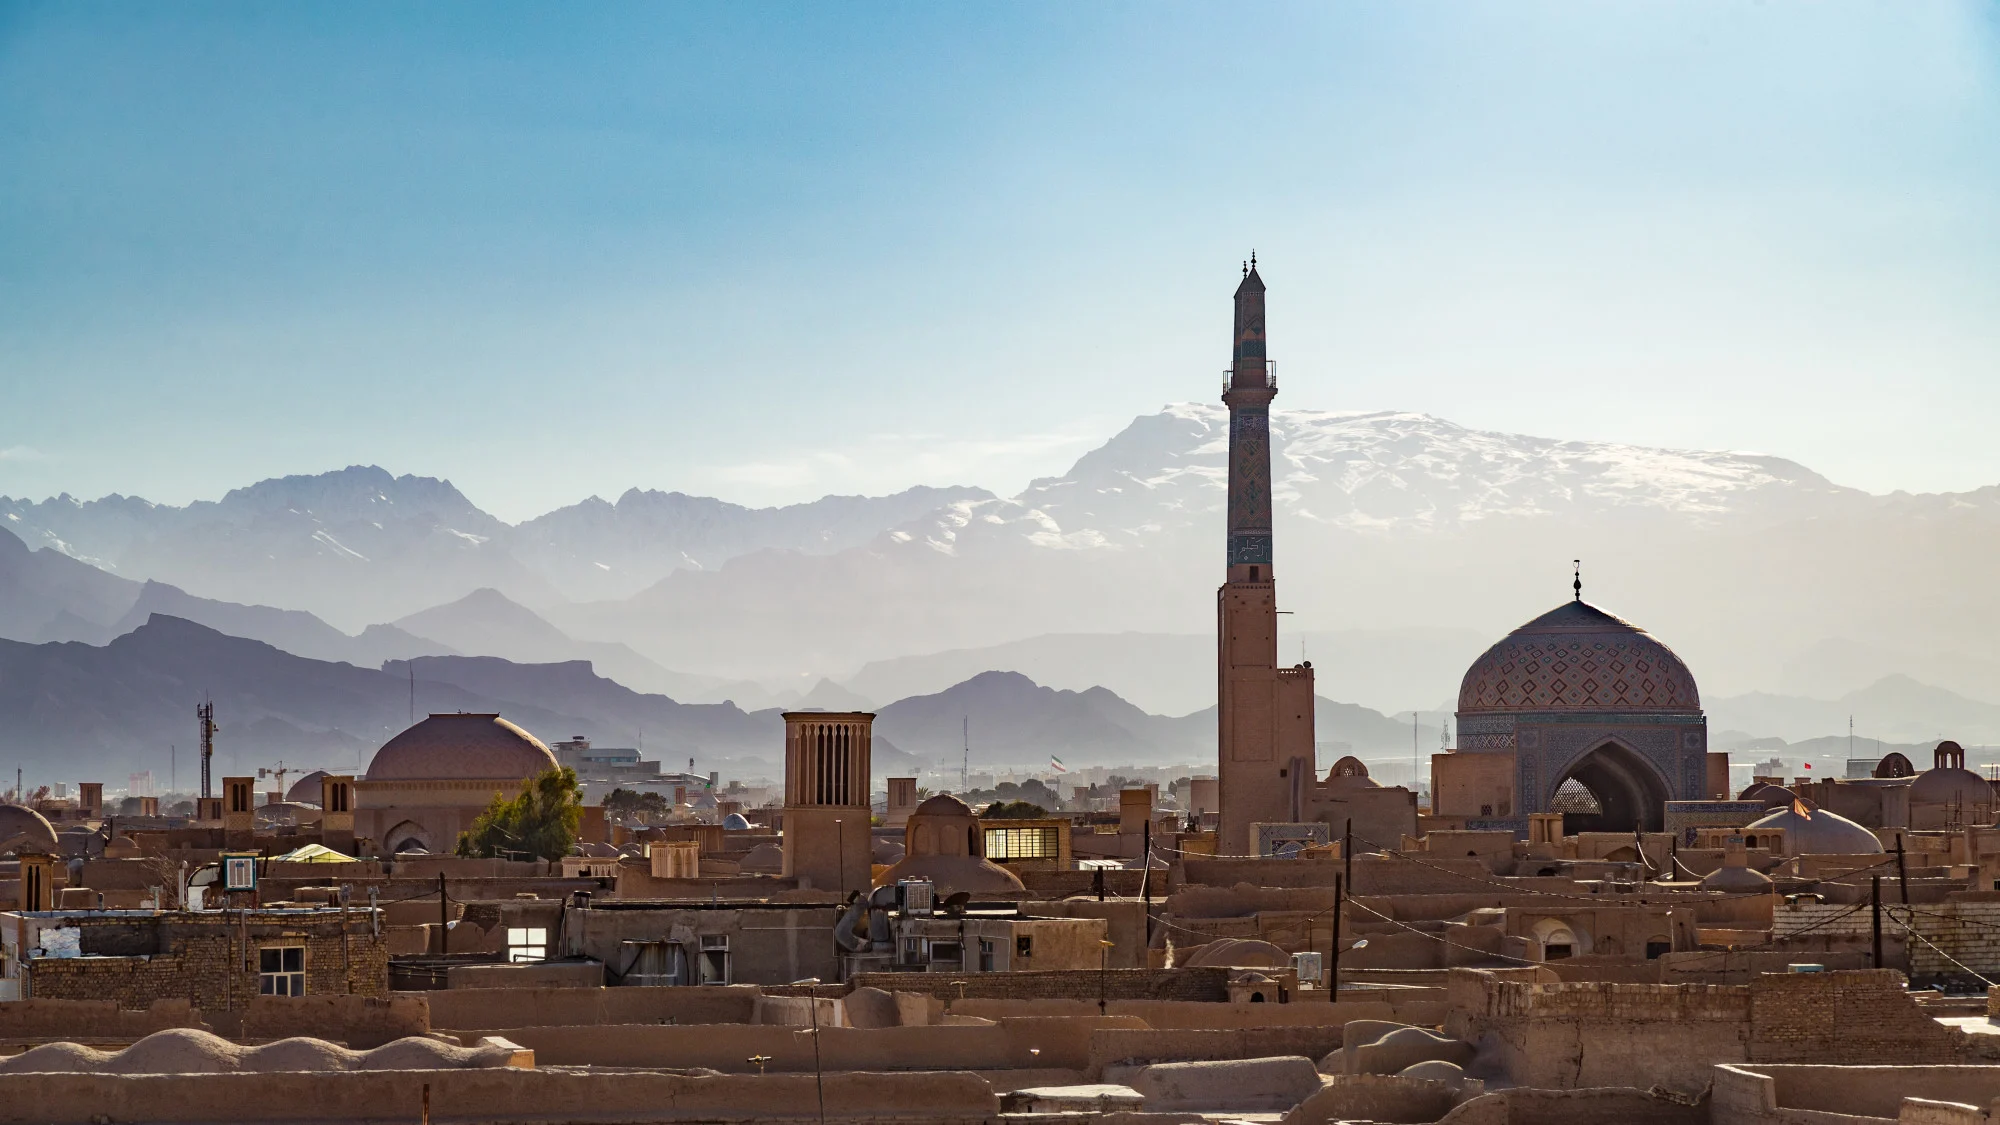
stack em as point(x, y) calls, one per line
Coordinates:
point(444, 919)
point(1333, 952)
point(965, 763)
point(1902, 872)
point(1875, 918)
point(206, 714)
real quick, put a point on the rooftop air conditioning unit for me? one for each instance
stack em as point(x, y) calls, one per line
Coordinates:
point(917, 896)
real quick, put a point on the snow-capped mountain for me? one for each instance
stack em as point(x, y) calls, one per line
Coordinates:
point(1765, 574)
point(1376, 472)
point(598, 549)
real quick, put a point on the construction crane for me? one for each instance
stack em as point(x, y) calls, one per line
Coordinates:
point(279, 771)
point(206, 714)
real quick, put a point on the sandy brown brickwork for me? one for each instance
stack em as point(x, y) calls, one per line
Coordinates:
point(210, 959)
point(1210, 984)
point(1855, 1018)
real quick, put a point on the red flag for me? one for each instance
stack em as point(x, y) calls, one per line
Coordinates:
point(1808, 765)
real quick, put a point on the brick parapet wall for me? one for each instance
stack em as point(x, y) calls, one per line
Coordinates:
point(1205, 984)
point(1860, 1017)
point(1850, 1018)
point(1964, 932)
point(1610, 1001)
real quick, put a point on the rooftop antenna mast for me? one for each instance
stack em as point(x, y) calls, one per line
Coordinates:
point(206, 714)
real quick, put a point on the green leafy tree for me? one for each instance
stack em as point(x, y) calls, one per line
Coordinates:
point(627, 802)
point(541, 821)
point(1014, 810)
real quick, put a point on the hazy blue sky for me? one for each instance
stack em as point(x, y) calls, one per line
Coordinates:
point(768, 251)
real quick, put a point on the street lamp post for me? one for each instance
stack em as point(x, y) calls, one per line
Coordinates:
point(1103, 974)
point(812, 1005)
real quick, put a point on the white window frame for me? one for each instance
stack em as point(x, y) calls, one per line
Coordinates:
point(526, 944)
point(1033, 842)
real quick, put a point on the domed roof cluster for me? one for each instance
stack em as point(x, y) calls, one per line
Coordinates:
point(461, 747)
point(1577, 657)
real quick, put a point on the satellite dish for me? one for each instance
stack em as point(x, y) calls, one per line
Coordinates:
point(955, 902)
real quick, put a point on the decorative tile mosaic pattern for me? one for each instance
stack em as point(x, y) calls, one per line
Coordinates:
point(1578, 657)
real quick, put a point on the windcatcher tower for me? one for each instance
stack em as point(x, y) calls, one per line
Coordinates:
point(828, 755)
point(1265, 718)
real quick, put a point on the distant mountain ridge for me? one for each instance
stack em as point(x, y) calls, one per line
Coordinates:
point(1762, 573)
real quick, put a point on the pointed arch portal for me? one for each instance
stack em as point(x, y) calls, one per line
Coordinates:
point(1630, 794)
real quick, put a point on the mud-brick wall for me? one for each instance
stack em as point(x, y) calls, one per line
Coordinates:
point(1851, 1018)
point(1209, 984)
point(211, 962)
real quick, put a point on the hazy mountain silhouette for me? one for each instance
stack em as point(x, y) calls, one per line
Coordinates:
point(1762, 574)
point(95, 712)
point(45, 595)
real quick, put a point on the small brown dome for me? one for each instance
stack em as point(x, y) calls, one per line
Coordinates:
point(461, 747)
point(1948, 786)
point(1239, 953)
point(306, 790)
point(953, 873)
point(1773, 796)
point(764, 859)
point(22, 827)
point(944, 804)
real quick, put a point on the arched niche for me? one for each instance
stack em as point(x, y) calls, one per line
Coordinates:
point(1629, 793)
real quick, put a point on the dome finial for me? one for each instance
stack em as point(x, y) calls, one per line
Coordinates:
point(1577, 585)
point(1253, 259)
point(1246, 269)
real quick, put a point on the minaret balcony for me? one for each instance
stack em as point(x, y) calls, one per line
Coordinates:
point(1270, 376)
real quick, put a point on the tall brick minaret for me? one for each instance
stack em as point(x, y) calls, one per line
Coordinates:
point(1265, 760)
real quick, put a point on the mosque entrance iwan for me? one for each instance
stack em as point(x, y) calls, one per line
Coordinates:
point(1610, 789)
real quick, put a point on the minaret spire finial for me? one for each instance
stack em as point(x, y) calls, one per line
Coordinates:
point(1246, 269)
point(1577, 585)
point(1253, 259)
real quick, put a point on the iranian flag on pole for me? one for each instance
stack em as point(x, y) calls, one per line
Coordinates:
point(1055, 764)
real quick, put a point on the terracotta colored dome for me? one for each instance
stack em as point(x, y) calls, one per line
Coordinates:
point(461, 746)
point(23, 827)
point(1577, 657)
